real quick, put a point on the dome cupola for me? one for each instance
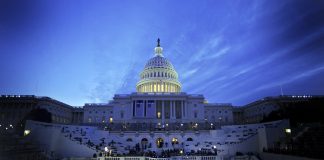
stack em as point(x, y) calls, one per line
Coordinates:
point(158, 75)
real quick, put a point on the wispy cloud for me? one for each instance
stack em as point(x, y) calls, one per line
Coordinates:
point(189, 73)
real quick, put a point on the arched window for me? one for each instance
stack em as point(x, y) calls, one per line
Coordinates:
point(189, 139)
point(159, 143)
point(174, 141)
point(144, 143)
point(129, 140)
point(154, 74)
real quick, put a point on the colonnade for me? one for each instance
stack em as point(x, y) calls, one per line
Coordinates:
point(164, 109)
point(158, 87)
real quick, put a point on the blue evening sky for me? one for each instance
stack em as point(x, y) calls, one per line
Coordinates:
point(82, 51)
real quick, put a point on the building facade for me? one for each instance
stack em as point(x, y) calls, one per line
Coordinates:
point(156, 118)
point(14, 108)
point(158, 102)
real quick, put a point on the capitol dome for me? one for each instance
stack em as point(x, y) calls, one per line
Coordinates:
point(158, 75)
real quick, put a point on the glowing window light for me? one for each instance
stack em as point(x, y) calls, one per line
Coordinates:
point(159, 114)
point(181, 151)
point(110, 119)
point(26, 132)
point(288, 130)
point(174, 140)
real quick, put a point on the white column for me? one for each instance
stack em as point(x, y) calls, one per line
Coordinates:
point(171, 110)
point(185, 109)
point(174, 110)
point(182, 109)
point(162, 111)
point(144, 102)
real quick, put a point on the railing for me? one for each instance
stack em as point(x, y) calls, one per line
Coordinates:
point(117, 127)
point(150, 158)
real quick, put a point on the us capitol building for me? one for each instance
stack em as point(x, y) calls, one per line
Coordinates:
point(158, 120)
point(158, 100)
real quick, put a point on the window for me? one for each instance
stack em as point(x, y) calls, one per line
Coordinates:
point(103, 119)
point(174, 141)
point(159, 143)
point(195, 114)
point(121, 114)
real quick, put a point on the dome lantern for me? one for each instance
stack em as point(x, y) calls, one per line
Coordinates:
point(158, 49)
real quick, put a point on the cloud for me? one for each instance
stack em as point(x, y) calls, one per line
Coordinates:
point(205, 50)
point(189, 73)
point(220, 52)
